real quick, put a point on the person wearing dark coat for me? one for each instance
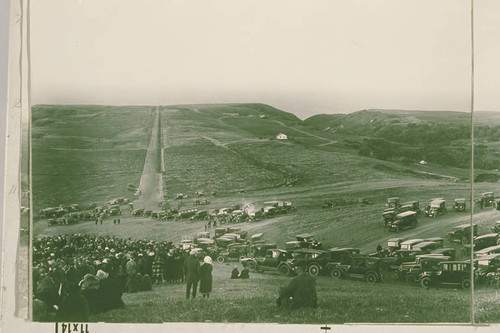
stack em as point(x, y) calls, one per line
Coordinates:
point(235, 273)
point(206, 277)
point(191, 271)
point(74, 307)
point(300, 292)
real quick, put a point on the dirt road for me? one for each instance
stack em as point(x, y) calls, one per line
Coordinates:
point(150, 188)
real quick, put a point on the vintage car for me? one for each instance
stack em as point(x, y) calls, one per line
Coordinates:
point(462, 233)
point(486, 199)
point(311, 261)
point(233, 252)
point(484, 241)
point(389, 215)
point(487, 251)
point(408, 244)
point(357, 267)
point(413, 206)
point(435, 208)
point(393, 202)
point(260, 249)
point(438, 240)
point(425, 247)
point(308, 241)
point(256, 237)
point(410, 271)
point(223, 241)
point(220, 231)
point(341, 254)
point(395, 243)
point(487, 267)
point(293, 246)
point(274, 260)
point(403, 220)
point(445, 251)
point(454, 273)
point(459, 205)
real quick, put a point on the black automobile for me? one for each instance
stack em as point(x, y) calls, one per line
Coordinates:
point(358, 267)
point(311, 261)
point(448, 273)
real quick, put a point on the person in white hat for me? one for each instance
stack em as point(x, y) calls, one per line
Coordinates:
point(206, 277)
point(101, 275)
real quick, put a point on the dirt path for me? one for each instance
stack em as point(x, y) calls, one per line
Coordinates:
point(150, 187)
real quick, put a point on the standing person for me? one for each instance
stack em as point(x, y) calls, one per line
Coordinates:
point(191, 268)
point(206, 277)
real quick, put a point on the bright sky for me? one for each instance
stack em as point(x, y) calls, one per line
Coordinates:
point(302, 56)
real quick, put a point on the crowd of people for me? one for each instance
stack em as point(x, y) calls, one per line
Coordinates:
point(75, 276)
point(98, 269)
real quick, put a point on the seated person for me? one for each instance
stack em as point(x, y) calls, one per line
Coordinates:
point(244, 274)
point(235, 273)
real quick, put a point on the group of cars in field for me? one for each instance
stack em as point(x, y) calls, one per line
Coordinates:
point(427, 262)
point(398, 216)
point(65, 215)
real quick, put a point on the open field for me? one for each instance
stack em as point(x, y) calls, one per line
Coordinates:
point(232, 149)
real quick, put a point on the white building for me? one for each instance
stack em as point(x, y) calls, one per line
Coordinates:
point(281, 136)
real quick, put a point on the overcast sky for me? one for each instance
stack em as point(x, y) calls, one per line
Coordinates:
point(306, 57)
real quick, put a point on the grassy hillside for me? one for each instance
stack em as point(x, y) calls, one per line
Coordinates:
point(83, 154)
point(254, 300)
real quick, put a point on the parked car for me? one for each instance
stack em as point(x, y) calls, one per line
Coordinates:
point(308, 241)
point(413, 206)
point(484, 241)
point(435, 208)
point(426, 247)
point(342, 254)
point(462, 233)
point(456, 273)
point(411, 271)
point(486, 199)
point(311, 261)
point(233, 252)
point(358, 267)
point(445, 251)
point(459, 205)
point(260, 249)
point(395, 243)
point(487, 267)
point(393, 202)
point(403, 220)
point(389, 216)
point(488, 250)
point(408, 244)
point(274, 260)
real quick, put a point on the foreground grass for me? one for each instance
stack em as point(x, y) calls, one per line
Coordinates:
point(253, 300)
point(486, 308)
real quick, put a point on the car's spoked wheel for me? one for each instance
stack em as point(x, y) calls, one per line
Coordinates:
point(284, 269)
point(425, 282)
point(371, 277)
point(252, 267)
point(410, 278)
point(465, 284)
point(313, 270)
point(336, 273)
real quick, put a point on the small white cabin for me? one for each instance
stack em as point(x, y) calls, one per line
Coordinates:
point(281, 136)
